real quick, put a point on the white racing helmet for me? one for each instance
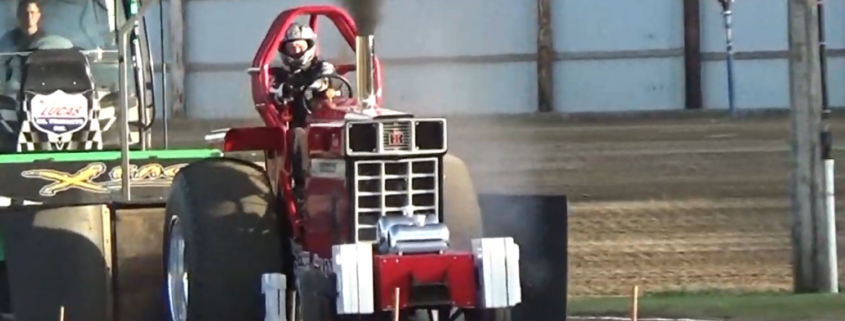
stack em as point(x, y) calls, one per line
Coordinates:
point(303, 59)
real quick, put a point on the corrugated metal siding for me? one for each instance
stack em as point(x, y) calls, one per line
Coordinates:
point(477, 56)
point(222, 37)
point(153, 25)
point(615, 26)
point(759, 25)
point(835, 28)
point(473, 30)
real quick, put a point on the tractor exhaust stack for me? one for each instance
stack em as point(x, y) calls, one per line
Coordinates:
point(364, 61)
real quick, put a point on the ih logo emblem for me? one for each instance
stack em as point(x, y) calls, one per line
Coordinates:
point(396, 137)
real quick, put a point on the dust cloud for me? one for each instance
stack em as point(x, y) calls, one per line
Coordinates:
point(366, 14)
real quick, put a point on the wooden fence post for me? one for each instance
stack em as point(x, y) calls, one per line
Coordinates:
point(692, 54)
point(177, 66)
point(545, 57)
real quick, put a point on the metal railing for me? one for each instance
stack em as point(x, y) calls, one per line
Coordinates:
point(123, 115)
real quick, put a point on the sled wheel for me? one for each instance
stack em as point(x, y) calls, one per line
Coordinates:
point(222, 233)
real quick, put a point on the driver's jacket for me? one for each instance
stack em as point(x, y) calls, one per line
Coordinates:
point(12, 42)
point(298, 79)
point(298, 82)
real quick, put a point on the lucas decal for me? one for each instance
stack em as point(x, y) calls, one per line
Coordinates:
point(59, 113)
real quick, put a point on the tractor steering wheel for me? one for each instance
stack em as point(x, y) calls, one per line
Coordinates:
point(335, 81)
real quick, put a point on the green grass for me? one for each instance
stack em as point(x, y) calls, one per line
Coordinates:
point(722, 306)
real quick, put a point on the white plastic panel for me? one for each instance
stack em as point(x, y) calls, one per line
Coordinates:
point(497, 261)
point(353, 266)
point(274, 288)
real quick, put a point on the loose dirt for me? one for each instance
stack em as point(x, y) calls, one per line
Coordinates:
point(669, 204)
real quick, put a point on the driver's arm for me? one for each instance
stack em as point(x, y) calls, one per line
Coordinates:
point(321, 85)
point(12, 73)
point(7, 45)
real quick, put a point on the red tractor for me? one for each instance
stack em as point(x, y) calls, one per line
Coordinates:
point(387, 225)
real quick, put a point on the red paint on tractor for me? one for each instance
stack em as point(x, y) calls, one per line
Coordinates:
point(327, 205)
point(253, 138)
point(330, 114)
point(392, 271)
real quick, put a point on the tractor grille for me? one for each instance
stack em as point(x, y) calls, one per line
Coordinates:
point(396, 136)
point(392, 188)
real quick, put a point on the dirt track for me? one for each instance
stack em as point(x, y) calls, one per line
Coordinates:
point(667, 204)
point(694, 203)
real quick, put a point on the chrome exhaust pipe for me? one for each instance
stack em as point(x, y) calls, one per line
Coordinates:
point(364, 62)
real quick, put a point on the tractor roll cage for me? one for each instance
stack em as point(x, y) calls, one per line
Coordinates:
point(259, 71)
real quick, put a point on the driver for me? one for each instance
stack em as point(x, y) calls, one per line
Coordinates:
point(27, 31)
point(19, 39)
point(299, 65)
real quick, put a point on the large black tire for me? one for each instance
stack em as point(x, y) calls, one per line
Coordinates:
point(232, 236)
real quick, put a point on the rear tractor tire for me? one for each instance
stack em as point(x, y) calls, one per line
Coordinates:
point(222, 233)
point(460, 204)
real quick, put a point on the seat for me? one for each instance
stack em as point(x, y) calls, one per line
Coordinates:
point(58, 74)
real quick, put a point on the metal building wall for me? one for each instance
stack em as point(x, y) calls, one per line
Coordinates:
point(761, 43)
point(479, 56)
point(835, 28)
point(154, 25)
point(618, 55)
point(441, 56)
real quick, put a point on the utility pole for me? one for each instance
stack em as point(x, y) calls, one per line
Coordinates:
point(811, 261)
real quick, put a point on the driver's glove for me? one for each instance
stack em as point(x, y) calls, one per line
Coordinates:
point(278, 92)
point(319, 85)
point(281, 93)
